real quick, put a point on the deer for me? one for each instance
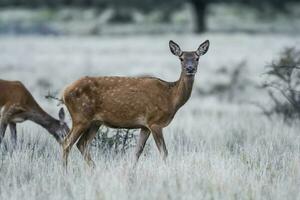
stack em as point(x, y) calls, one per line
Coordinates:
point(145, 103)
point(18, 105)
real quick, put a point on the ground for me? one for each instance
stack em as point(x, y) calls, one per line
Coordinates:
point(217, 149)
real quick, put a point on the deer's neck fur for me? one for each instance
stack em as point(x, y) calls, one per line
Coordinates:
point(182, 90)
point(45, 120)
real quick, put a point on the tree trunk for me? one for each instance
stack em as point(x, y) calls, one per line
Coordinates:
point(200, 15)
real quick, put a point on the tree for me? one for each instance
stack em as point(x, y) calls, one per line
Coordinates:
point(123, 8)
point(200, 8)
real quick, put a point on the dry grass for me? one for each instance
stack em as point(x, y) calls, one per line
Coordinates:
point(218, 150)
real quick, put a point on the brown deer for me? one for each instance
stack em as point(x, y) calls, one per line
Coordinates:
point(145, 103)
point(17, 105)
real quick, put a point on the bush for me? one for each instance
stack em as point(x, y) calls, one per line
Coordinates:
point(283, 85)
point(116, 140)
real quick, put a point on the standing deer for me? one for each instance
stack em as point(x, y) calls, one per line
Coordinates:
point(18, 105)
point(146, 103)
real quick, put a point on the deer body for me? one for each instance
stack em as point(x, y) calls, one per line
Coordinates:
point(18, 105)
point(125, 102)
point(122, 102)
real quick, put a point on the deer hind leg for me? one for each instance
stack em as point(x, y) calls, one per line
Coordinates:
point(13, 133)
point(75, 133)
point(159, 141)
point(84, 141)
point(15, 113)
point(3, 122)
point(144, 135)
point(3, 126)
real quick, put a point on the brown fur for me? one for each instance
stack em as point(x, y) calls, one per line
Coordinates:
point(15, 93)
point(123, 102)
point(17, 105)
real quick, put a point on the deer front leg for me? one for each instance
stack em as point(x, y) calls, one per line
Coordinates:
point(144, 135)
point(13, 134)
point(84, 141)
point(159, 141)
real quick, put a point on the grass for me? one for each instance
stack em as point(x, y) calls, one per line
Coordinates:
point(217, 149)
point(245, 158)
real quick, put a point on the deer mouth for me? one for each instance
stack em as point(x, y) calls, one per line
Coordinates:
point(190, 73)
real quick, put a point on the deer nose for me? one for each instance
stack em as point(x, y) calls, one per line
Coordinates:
point(190, 69)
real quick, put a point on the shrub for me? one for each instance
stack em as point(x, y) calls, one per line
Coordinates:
point(283, 84)
point(116, 140)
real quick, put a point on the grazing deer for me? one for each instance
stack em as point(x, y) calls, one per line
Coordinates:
point(18, 105)
point(146, 103)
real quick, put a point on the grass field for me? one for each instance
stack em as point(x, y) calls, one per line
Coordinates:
point(217, 149)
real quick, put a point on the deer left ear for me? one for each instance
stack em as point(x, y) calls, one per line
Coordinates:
point(61, 115)
point(203, 48)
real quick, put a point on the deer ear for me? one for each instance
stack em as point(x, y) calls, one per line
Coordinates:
point(61, 115)
point(175, 49)
point(203, 48)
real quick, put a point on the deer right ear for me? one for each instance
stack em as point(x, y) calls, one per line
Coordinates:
point(203, 48)
point(175, 49)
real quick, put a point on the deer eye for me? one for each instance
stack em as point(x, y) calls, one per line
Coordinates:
point(181, 59)
point(197, 59)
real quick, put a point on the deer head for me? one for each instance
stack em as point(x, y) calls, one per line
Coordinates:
point(189, 59)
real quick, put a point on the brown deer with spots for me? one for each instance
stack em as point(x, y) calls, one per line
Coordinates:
point(145, 103)
point(18, 105)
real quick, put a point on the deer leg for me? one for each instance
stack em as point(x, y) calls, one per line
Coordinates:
point(70, 140)
point(3, 127)
point(144, 135)
point(159, 141)
point(84, 141)
point(13, 133)
point(3, 123)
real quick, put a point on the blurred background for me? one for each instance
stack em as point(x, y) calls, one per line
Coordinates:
point(47, 44)
point(117, 17)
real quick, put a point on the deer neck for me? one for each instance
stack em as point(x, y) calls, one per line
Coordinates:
point(182, 90)
point(45, 120)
